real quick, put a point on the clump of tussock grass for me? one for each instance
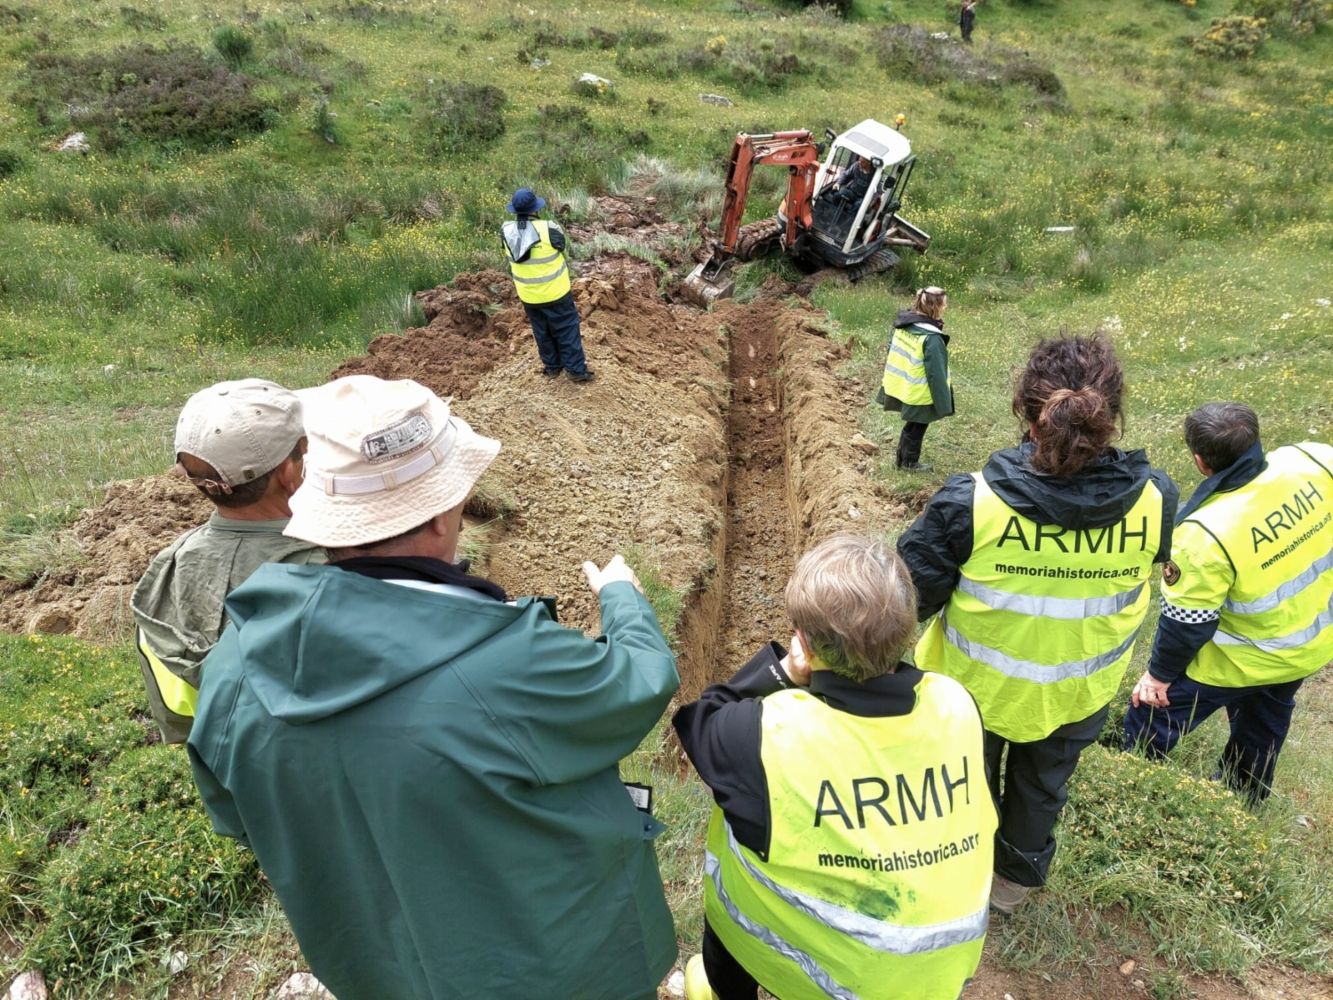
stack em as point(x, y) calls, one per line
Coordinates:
point(459, 115)
point(1214, 886)
point(683, 195)
point(911, 51)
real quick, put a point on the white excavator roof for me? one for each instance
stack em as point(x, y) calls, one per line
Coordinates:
point(870, 138)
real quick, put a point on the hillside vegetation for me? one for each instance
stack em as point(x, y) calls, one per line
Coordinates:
point(268, 185)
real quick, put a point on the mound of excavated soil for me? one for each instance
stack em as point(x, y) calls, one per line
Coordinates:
point(116, 541)
point(644, 460)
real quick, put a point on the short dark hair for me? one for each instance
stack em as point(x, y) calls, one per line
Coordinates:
point(1220, 433)
point(242, 494)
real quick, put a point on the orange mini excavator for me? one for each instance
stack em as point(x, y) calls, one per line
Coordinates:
point(841, 212)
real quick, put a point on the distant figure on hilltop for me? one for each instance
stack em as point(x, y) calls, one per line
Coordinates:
point(1247, 598)
point(967, 19)
point(425, 769)
point(241, 444)
point(536, 250)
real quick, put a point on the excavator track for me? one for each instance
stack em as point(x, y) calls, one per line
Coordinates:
point(758, 239)
point(877, 262)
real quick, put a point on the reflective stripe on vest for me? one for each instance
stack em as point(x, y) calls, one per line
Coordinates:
point(877, 878)
point(1043, 620)
point(544, 275)
point(178, 696)
point(1276, 624)
point(905, 366)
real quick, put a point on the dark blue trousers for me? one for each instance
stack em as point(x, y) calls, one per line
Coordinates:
point(555, 327)
point(1260, 717)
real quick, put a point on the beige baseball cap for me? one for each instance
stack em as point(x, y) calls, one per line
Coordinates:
point(384, 457)
point(242, 428)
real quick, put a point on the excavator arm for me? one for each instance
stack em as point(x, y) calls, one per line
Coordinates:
point(795, 150)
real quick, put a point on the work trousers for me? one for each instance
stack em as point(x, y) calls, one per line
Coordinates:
point(1260, 718)
point(1035, 788)
point(909, 443)
point(555, 328)
point(726, 976)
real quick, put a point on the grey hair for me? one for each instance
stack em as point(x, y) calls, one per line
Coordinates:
point(852, 597)
point(1220, 433)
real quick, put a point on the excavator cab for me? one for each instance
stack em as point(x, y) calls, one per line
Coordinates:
point(847, 232)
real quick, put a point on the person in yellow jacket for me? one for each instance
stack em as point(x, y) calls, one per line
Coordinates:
point(849, 853)
point(1247, 598)
point(916, 379)
point(536, 251)
point(1036, 571)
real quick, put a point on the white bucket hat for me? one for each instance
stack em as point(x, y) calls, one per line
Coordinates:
point(384, 457)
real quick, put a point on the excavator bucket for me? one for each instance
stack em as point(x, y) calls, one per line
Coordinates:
point(709, 282)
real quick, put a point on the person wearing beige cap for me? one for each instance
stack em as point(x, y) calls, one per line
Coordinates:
point(240, 443)
point(427, 770)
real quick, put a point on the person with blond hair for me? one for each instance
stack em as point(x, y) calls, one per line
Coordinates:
point(1034, 574)
point(849, 851)
point(916, 378)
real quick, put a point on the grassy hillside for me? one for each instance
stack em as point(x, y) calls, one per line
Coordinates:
point(312, 165)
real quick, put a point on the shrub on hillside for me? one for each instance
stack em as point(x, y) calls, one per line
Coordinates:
point(908, 50)
point(1234, 37)
point(1178, 848)
point(1298, 16)
point(171, 95)
point(11, 162)
point(462, 115)
point(142, 20)
point(146, 867)
point(233, 45)
point(768, 65)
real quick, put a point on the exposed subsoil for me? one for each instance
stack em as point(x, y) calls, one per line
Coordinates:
point(716, 445)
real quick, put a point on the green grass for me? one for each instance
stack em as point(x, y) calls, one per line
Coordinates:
point(1199, 190)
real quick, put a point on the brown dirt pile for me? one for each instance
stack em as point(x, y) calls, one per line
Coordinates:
point(116, 541)
point(636, 461)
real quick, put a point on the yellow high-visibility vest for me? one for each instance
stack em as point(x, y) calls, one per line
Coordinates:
point(544, 275)
point(167, 691)
point(877, 877)
point(1042, 623)
point(1275, 536)
point(905, 367)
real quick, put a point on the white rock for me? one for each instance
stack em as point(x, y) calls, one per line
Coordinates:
point(1060, 229)
point(854, 512)
point(75, 143)
point(1323, 303)
point(539, 63)
point(675, 983)
point(718, 99)
point(177, 962)
point(302, 986)
point(29, 986)
point(593, 80)
point(940, 36)
point(109, 369)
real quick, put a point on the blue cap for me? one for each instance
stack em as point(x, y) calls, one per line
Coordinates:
point(525, 202)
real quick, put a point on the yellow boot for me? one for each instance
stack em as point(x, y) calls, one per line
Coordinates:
point(696, 980)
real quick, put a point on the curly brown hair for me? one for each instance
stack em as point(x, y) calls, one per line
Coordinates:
point(1069, 395)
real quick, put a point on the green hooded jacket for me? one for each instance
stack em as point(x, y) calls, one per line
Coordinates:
point(430, 782)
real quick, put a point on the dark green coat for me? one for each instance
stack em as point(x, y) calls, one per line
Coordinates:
point(935, 353)
point(430, 782)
